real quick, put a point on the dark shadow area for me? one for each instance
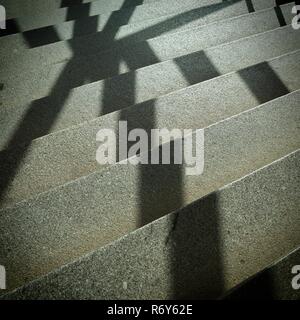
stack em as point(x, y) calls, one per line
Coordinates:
point(77, 11)
point(69, 3)
point(11, 28)
point(196, 67)
point(37, 37)
point(259, 288)
point(197, 266)
point(160, 189)
point(280, 2)
point(47, 35)
point(280, 16)
point(274, 283)
point(250, 6)
point(261, 76)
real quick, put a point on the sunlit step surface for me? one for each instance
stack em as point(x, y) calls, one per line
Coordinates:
point(199, 252)
point(70, 154)
point(181, 19)
point(93, 211)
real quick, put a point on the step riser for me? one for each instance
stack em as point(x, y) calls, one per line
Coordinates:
point(36, 82)
point(82, 211)
point(137, 32)
point(74, 150)
point(164, 47)
point(214, 242)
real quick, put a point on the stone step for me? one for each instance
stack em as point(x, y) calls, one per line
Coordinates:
point(69, 154)
point(19, 8)
point(119, 10)
point(113, 30)
point(41, 18)
point(112, 19)
point(51, 11)
point(273, 283)
point(32, 81)
point(201, 251)
point(164, 47)
point(61, 225)
point(64, 107)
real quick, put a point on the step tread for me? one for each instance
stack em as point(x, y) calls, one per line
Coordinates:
point(39, 8)
point(146, 29)
point(109, 63)
point(21, 8)
point(157, 247)
point(74, 217)
point(87, 10)
point(58, 52)
point(74, 149)
point(150, 82)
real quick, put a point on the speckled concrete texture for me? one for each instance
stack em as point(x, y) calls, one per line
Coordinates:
point(198, 252)
point(74, 229)
point(40, 8)
point(67, 155)
point(136, 10)
point(95, 210)
point(19, 8)
point(185, 18)
point(151, 81)
point(277, 282)
point(165, 46)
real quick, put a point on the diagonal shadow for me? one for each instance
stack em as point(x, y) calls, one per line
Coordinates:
point(58, 96)
point(171, 175)
point(47, 35)
point(165, 193)
point(37, 121)
point(262, 76)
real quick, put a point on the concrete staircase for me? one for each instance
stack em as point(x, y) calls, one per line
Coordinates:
point(72, 229)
